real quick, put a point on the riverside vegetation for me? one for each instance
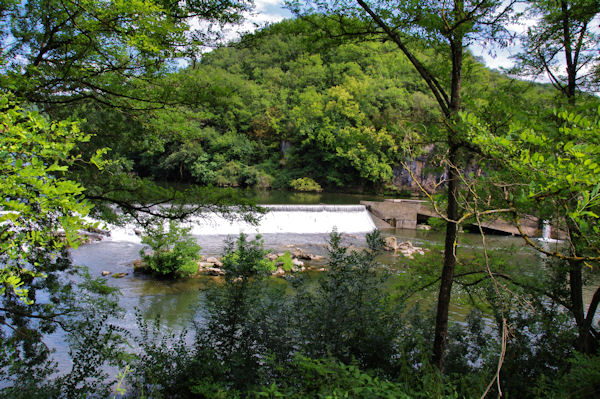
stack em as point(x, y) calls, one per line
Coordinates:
point(95, 110)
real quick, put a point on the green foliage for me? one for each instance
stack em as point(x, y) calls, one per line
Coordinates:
point(247, 259)
point(327, 378)
point(581, 381)
point(87, 49)
point(37, 201)
point(437, 224)
point(162, 368)
point(564, 32)
point(85, 313)
point(560, 164)
point(238, 333)
point(277, 106)
point(174, 252)
point(349, 310)
point(305, 184)
point(286, 259)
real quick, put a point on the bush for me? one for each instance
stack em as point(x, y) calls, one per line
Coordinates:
point(237, 333)
point(175, 252)
point(437, 224)
point(328, 378)
point(349, 311)
point(305, 184)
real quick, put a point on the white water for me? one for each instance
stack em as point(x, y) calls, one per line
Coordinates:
point(546, 230)
point(298, 219)
point(547, 233)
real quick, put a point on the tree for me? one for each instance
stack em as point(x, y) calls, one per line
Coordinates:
point(106, 57)
point(59, 52)
point(449, 28)
point(565, 37)
point(38, 202)
point(42, 215)
point(554, 173)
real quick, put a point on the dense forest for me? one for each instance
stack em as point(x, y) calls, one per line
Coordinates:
point(107, 106)
point(278, 106)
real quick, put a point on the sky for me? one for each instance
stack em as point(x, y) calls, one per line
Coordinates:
point(269, 11)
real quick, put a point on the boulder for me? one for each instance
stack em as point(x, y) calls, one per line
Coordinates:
point(391, 243)
point(272, 256)
point(89, 237)
point(408, 249)
point(279, 272)
point(139, 266)
point(214, 261)
point(298, 253)
point(297, 262)
point(105, 273)
point(214, 271)
point(119, 275)
point(98, 231)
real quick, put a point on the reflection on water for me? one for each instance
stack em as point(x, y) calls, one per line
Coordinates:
point(176, 301)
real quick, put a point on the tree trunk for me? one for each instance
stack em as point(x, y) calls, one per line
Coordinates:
point(571, 66)
point(447, 278)
point(586, 342)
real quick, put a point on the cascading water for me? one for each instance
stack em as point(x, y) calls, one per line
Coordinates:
point(295, 219)
point(299, 219)
point(546, 230)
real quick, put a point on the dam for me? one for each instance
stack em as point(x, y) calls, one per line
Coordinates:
point(323, 219)
point(298, 219)
point(279, 219)
point(407, 213)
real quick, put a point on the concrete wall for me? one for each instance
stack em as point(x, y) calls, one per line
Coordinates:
point(401, 214)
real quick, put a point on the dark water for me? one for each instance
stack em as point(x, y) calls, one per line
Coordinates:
point(290, 197)
point(283, 197)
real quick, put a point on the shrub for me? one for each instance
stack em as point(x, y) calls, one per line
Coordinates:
point(286, 259)
point(349, 310)
point(327, 378)
point(234, 333)
point(437, 224)
point(305, 184)
point(175, 252)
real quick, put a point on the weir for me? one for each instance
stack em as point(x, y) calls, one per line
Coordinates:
point(299, 219)
point(294, 219)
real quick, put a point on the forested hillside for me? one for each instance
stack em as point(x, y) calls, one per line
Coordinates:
point(105, 106)
point(283, 103)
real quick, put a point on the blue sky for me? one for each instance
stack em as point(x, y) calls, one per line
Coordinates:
point(268, 11)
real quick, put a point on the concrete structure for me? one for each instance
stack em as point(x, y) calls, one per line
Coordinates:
point(404, 214)
point(400, 213)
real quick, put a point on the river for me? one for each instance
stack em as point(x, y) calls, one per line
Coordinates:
point(177, 301)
